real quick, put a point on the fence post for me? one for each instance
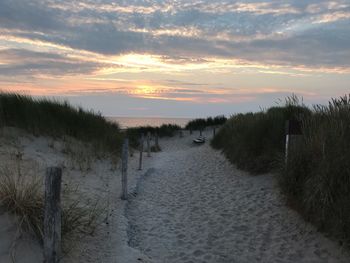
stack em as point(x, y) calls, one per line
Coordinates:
point(293, 134)
point(148, 144)
point(156, 141)
point(52, 215)
point(125, 169)
point(141, 151)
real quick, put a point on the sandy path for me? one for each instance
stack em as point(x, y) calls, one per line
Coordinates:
point(193, 206)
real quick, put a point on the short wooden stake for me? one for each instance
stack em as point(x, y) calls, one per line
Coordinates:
point(156, 141)
point(52, 215)
point(125, 169)
point(141, 151)
point(148, 144)
point(293, 135)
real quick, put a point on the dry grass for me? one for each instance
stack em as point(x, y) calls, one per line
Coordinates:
point(22, 195)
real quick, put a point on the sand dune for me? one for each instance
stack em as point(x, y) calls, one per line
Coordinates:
point(188, 204)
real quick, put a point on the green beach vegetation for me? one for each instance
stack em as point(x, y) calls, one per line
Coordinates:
point(316, 180)
point(84, 134)
point(165, 130)
point(201, 123)
point(59, 120)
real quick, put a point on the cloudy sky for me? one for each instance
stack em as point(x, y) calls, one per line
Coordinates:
point(175, 58)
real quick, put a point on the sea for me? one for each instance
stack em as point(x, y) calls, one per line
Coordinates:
point(129, 122)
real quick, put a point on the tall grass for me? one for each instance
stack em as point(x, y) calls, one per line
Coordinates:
point(58, 119)
point(165, 130)
point(317, 180)
point(255, 141)
point(199, 124)
point(22, 195)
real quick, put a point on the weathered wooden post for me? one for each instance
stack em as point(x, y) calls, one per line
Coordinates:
point(125, 169)
point(181, 134)
point(214, 131)
point(141, 150)
point(148, 144)
point(293, 134)
point(52, 215)
point(200, 132)
point(156, 141)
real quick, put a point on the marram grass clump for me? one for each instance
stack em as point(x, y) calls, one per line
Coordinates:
point(59, 120)
point(317, 178)
point(22, 195)
point(255, 141)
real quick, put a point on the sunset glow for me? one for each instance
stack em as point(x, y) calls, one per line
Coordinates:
point(229, 55)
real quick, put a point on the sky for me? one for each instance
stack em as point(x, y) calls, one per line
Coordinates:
point(175, 58)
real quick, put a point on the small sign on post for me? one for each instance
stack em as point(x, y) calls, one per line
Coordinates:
point(52, 215)
point(148, 144)
point(141, 150)
point(125, 169)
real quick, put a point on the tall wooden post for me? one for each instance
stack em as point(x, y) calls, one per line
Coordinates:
point(141, 150)
point(148, 144)
point(293, 135)
point(156, 141)
point(125, 169)
point(52, 215)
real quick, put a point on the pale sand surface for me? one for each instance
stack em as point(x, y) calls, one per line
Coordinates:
point(193, 206)
point(188, 204)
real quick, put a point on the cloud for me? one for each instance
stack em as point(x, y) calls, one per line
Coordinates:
point(98, 38)
point(19, 62)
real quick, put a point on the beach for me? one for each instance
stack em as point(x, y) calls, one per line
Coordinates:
point(187, 204)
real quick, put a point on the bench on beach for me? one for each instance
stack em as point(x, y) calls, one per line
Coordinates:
point(199, 140)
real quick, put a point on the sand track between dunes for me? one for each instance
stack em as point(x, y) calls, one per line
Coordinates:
point(193, 206)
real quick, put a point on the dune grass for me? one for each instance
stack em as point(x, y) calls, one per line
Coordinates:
point(59, 119)
point(316, 180)
point(255, 141)
point(201, 123)
point(165, 130)
point(22, 195)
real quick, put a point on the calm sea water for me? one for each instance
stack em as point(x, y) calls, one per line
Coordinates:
point(126, 122)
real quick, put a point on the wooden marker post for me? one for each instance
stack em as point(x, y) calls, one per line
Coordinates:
point(293, 134)
point(141, 150)
point(52, 215)
point(156, 141)
point(125, 169)
point(148, 144)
